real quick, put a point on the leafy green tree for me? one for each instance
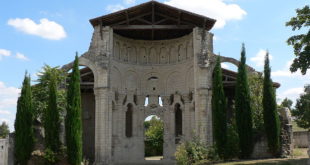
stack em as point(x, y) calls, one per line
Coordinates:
point(243, 109)
point(287, 103)
point(154, 137)
point(256, 82)
point(302, 109)
point(300, 42)
point(271, 117)
point(40, 91)
point(219, 110)
point(73, 122)
point(24, 136)
point(4, 130)
point(51, 117)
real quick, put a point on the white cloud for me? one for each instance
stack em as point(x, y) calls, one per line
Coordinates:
point(216, 9)
point(225, 66)
point(292, 93)
point(129, 2)
point(45, 29)
point(4, 52)
point(21, 56)
point(285, 72)
point(114, 8)
point(8, 96)
point(259, 58)
point(4, 112)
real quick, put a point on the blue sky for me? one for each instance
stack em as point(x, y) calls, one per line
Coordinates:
point(38, 32)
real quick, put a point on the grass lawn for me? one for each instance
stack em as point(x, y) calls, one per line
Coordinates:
point(299, 157)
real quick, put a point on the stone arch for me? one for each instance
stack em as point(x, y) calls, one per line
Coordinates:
point(181, 52)
point(153, 56)
point(132, 54)
point(142, 55)
point(173, 55)
point(124, 53)
point(235, 62)
point(163, 56)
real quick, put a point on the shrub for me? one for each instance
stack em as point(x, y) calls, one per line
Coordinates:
point(193, 152)
point(50, 156)
point(232, 145)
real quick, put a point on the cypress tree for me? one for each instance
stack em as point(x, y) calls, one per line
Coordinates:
point(243, 109)
point(219, 110)
point(73, 118)
point(24, 136)
point(271, 117)
point(51, 120)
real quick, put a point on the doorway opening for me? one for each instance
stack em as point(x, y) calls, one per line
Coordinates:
point(153, 138)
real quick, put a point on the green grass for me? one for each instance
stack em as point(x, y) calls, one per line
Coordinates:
point(301, 161)
point(296, 128)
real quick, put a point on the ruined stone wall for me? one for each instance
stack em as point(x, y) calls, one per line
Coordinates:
point(301, 139)
point(160, 71)
point(4, 151)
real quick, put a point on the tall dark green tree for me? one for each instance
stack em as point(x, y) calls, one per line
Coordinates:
point(271, 117)
point(219, 110)
point(51, 117)
point(243, 109)
point(24, 136)
point(73, 118)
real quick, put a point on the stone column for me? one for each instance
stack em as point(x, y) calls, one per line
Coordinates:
point(186, 125)
point(203, 68)
point(103, 126)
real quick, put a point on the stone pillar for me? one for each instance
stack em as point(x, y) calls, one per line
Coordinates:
point(203, 68)
point(187, 131)
point(103, 126)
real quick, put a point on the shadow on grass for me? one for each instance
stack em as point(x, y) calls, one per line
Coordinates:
point(304, 161)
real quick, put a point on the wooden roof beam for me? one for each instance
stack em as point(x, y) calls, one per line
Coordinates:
point(151, 27)
point(131, 19)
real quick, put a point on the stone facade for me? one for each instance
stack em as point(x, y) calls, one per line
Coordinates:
point(128, 72)
point(4, 151)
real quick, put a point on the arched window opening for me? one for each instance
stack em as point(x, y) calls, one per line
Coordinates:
point(129, 118)
point(146, 101)
point(160, 101)
point(178, 120)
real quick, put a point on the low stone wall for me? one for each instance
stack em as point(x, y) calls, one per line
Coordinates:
point(4, 145)
point(260, 149)
point(301, 139)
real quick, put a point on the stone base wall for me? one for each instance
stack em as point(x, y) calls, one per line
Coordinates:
point(301, 139)
point(261, 149)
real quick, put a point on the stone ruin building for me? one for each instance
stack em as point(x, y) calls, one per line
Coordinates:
point(151, 52)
